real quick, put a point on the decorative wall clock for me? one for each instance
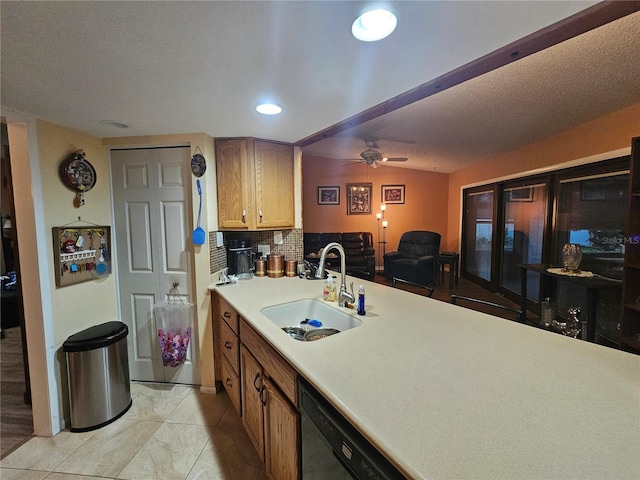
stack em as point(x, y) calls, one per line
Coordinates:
point(198, 163)
point(78, 175)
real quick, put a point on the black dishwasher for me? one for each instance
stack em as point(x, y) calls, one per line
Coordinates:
point(332, 449)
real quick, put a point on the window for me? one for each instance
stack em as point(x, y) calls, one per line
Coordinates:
point(528, 221)
point(479, 229)
point(524, 209)
point(591, 212)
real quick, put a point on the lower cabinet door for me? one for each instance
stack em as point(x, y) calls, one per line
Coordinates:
point(252, 397)
point(231, 384)
point(281, 435)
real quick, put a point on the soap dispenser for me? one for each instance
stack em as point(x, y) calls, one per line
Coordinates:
point(361, 310)
point(329, 292)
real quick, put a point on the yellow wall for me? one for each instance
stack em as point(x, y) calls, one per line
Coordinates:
point(36, 299)
point(425, 207)
point(605, 137)
point(85, 304)
point(53, 314)
point(82, 305)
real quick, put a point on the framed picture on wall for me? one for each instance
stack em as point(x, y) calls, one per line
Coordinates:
point(522, 194)
point(392, 194)
point(329, 195)
point(592, 190)
point(358, 198)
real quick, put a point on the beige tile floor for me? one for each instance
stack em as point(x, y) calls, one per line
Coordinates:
point(170, 432)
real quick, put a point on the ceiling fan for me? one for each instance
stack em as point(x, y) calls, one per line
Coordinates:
point(373, 157)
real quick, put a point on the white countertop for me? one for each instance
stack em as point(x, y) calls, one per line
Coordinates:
point(445, 392)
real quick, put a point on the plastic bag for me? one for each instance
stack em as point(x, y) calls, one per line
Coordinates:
point(173, 321)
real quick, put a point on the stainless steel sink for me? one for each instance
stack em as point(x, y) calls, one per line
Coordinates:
point(292, 314)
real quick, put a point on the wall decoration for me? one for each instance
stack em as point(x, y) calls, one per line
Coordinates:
point(592, 190)
point(522, 194)
point(359, 198)
point(198, 163)
point(78, 174)
point(81, 253)
point(392, 194)
point(329, 195)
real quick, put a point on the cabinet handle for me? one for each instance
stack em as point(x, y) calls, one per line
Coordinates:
point(262, 400)
point(226, 315)
point(254, 382)
point(227, 345)
point(260, 215)
point(228, 382)
point(244, 216)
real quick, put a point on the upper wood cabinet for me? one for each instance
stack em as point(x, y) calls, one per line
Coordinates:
point(255, 184)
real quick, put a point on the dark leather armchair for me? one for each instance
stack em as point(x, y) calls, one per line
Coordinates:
point(415, 259)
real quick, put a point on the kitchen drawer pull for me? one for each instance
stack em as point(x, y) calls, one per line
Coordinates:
point(254, 382)
point(226, 315)
point(228, 345)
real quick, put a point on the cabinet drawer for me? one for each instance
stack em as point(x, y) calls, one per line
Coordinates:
point(231, 383)
point(275, 367)
point(229, 315)
point(229, 346)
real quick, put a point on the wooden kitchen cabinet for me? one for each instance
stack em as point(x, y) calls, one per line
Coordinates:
point(231, 382)
point(252, 407)
point(269, 402)
point(281, 422)
point(263, 388)
point(229, 351)
point(255, 184)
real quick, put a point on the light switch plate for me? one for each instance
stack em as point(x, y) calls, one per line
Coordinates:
point(219, 239)
point(277, 237)
point(264, 250)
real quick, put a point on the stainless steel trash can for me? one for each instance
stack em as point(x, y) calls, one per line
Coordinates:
point(98, 373)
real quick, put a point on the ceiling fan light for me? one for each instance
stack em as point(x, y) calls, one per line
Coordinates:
point(374, 25)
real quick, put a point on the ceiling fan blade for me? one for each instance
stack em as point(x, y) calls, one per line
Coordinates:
point(397, 159)
point(352, 161)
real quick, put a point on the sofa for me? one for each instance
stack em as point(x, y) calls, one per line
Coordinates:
point(358, 248)
point(415, 259)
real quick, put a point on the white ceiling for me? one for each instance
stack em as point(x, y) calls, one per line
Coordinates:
point(561, 87)
point(179, 67)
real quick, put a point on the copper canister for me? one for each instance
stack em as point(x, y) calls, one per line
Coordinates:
point(275, 265)
point(261, 267)
point(291, 268)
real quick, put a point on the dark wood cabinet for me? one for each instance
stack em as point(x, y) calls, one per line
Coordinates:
point(630, 323)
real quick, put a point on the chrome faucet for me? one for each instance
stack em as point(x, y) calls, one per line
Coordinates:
point(344, 298)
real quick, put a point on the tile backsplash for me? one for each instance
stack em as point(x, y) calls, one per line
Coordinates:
point(291, 246)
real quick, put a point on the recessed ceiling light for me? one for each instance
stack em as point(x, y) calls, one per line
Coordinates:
point(268, 109)
point(114, 123)
point(374, 25)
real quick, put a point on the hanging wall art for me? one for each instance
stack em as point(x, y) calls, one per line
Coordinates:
point(78, 175)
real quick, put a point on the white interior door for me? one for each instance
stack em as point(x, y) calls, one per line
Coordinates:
point(151, 196)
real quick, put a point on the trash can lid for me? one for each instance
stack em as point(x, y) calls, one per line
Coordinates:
point(96, 337)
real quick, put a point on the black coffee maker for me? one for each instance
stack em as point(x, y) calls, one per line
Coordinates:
point(240, 259)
